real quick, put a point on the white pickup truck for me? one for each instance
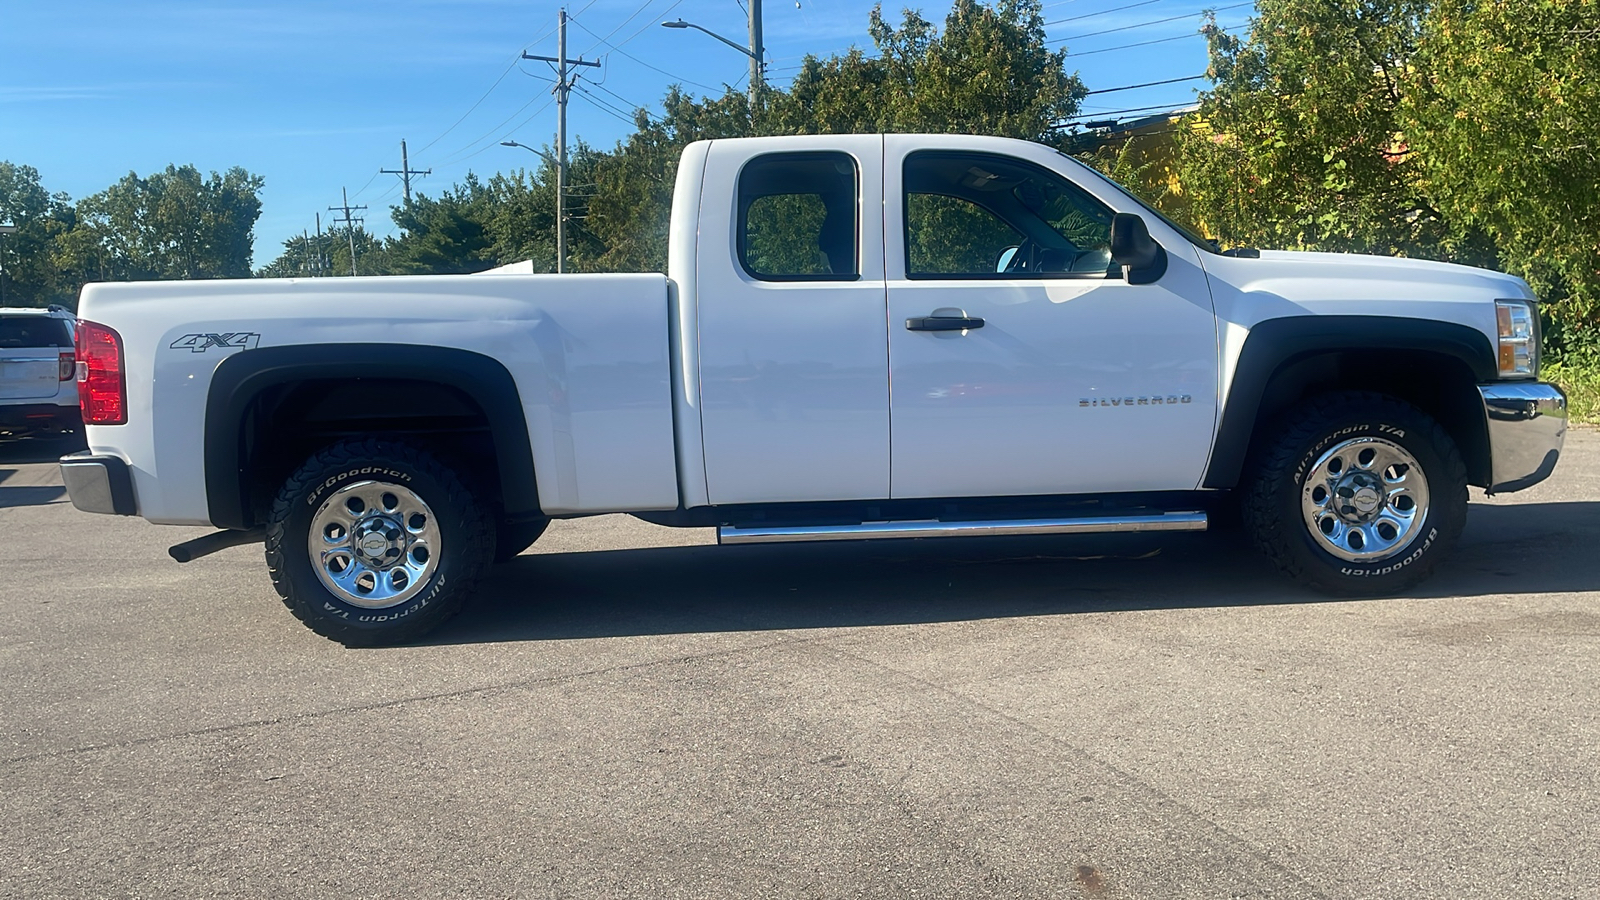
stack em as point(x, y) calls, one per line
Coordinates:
point(860, 336)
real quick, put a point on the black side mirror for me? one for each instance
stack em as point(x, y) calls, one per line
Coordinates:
point(1142, 259)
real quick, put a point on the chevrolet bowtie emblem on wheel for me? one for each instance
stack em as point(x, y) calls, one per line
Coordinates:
point(200, 343)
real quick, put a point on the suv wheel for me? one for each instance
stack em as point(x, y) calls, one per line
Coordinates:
point(1357, 494)
point(375, 542)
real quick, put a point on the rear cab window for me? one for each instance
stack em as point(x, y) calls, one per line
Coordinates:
point(799, 217)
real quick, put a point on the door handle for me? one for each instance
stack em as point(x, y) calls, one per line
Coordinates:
point(943, 323)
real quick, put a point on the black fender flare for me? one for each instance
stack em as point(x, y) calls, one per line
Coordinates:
point(1275, 343)
point(240, 378)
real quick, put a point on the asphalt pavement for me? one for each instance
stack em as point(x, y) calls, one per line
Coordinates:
point(631, 711)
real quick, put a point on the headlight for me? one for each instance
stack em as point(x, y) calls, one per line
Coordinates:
point(1519, 338)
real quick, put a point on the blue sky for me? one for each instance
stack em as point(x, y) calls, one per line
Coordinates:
point(315, 95)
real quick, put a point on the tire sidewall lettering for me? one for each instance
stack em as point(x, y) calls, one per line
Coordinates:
point(329, 484)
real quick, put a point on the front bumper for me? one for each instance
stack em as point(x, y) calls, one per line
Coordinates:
point(99, 484)
point(1527, 425)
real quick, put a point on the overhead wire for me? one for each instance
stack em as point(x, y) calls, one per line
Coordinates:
point(1102, 12)
point(618, 48)
point(1077, 37)
point(1130, 87)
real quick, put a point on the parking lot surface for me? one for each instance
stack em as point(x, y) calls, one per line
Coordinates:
point(626, 711)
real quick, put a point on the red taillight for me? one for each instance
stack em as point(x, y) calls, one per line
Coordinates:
point(67, 367)
point(102, 389)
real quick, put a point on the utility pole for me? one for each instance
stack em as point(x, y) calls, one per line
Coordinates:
point(349, 225)
point(562, 89)
point(322, 256)
point(757, 53)
point(405, 171)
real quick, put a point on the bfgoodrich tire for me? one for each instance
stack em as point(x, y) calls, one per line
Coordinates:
point(1356, 494)
point(375, 542)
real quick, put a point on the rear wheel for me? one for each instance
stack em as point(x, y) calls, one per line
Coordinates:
point(1357, 493)
point(375, 542)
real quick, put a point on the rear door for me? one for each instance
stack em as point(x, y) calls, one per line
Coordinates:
point(30, 356)
point(794, 373)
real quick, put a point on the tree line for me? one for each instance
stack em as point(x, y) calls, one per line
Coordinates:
point(1461, 130)
point(175, 223)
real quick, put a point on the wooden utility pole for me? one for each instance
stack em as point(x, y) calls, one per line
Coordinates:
point(757, 52)
point(562, 89)
point(405, 171)
point(349, 225)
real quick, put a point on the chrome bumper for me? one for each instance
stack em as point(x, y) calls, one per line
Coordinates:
point(1527, 424)
point(99, 484)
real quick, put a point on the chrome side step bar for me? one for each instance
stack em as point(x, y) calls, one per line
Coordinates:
point(1147, 522)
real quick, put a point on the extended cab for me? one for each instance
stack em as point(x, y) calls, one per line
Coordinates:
point(860, 336)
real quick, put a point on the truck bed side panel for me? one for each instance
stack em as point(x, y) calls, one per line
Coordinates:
point(588, 354)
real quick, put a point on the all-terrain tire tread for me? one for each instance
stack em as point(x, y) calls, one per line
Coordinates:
point(477, 551)
point(1276, 459)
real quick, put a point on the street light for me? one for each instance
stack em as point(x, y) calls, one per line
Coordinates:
point(4, 272)
point(754, 51)
point(561, 210)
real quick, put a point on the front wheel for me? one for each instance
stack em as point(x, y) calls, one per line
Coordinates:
point(1357, 494)
point(375, 542)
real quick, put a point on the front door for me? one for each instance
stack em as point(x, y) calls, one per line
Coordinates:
point(1076, 381)
point(794, 374)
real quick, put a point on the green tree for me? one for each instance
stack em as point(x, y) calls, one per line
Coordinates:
point(27, 257)
point(1504, 118)
point(1302, 143)
point(172, 224)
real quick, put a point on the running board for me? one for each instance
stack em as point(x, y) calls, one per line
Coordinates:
point(1149, 522)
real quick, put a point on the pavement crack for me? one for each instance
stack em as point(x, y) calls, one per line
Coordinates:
point(1219, 836)
point(482, 691)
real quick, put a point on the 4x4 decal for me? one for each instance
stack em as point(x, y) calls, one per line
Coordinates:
point(200, 343)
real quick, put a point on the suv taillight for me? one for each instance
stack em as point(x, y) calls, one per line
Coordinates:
point(102, 389)
point(66, 366)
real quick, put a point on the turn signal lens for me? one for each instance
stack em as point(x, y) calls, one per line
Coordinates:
point(102, 386)
point(1519, 338)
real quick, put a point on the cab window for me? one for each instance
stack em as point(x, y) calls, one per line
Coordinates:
point(974, 215)
point(798, 217)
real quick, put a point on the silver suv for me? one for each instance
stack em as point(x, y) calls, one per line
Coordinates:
point(38, 371)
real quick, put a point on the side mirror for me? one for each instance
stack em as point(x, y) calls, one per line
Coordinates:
point(1006, 256)
point(1142, 259)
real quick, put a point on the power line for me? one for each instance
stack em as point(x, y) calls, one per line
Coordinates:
point(1130, 87)
point(1133, 109)
point(642, 7)
point(1176, 37)
point(618, 49)
point(1102, 12)
point(1075, 37)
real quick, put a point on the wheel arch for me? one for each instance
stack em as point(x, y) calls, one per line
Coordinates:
point(1288, 359)
point(459, 386)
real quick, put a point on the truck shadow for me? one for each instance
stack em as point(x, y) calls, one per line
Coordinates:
point(1506, 549)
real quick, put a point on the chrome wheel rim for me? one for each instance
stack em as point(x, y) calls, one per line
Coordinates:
point(1364, 499)
point(374, 545)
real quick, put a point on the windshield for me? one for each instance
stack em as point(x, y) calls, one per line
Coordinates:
point(1199, 240)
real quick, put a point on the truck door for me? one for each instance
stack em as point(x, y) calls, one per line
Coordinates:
point(1021, 360)
point(794, 379)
